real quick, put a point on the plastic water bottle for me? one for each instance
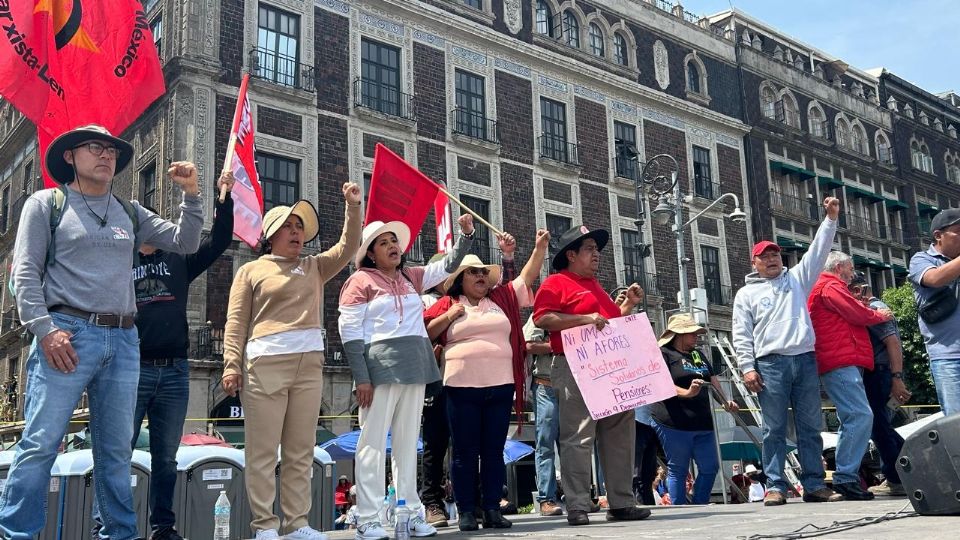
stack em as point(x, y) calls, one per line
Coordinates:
point(402, 528)
point(221, 518)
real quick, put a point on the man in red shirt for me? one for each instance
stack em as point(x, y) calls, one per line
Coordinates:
point(569, 298)
point(843, 350)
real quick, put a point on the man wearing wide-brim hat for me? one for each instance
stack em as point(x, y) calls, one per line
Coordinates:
point(569, 298)
point(75, 294)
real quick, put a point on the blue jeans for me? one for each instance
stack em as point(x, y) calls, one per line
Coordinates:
point(680, 446)
point(946, 377)
point(162, 397)
point(845, 388)
point(108, 370)
point(877, 384)
point(479, 420)
point(548, 427)
point(791, 381)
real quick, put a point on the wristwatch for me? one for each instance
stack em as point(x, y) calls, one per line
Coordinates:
point(897, 375)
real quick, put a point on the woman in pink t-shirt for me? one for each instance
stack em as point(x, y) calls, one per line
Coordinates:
point(478, 322)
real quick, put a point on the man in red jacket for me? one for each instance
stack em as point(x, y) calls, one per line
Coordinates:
point(843, 350)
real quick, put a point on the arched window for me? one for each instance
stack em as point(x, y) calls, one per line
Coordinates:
point(815, 118)
point(920, 157)
point(883, 149)
point(544, 18)
point(843, 133)
point(620, 50)
point(693, 77)
point(791, 116)
point(859, 141)
point(767, 100)
point(596, 40)
point(571, 29)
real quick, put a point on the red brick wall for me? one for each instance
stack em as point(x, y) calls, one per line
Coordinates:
point(515, 117)
point(592, 140)
point(331, 51)
point(429, 87)
point(231, 41)
point(279, 123)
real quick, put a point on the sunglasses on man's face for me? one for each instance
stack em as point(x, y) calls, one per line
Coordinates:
point(478, 271)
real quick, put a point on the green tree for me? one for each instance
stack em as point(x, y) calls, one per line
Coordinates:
point(916, 364)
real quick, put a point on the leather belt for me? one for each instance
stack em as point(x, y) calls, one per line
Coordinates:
point(541, 381)
point(109, 320)
point(158, 362)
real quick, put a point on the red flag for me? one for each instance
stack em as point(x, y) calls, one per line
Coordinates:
point(247, 196)
point(65, 63)
point(444, 219)
point(399, 192)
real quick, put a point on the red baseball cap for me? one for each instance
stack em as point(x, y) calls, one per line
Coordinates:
point(764, 245)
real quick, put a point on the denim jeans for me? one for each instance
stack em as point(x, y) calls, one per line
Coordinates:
point(436, 440)
point(548, 427)
point(680, 446)
point(162, 397)
point(845, 388)
point(479, 420)
point(946, 377)
point(888, 442)
point(108, 369)
point(791, 381)
point(645, 464)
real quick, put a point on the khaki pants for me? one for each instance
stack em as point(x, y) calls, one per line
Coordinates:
point(281, 404)
point(615, 440)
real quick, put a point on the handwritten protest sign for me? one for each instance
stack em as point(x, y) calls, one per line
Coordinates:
point(619, 367)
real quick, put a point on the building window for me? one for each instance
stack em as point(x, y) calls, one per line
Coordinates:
point(481, 238)
point(156, 28)
point(557, 225)
point(553, 119)
point(471, 115)
point(380, 79)
point(625, 146)
point(816, 119)
point(279, 179)
point(859, 141)
point(148, 186)
point(571, 29)
point(710, 262)
point(785, 111)
point(620, 54)
point(4, 211)
point(596, 40)
point(28, 176)
point(702, 181)
point(883, 150)
point(476, 4)
point(632, 269)
point(278, 36)
point(920, 157)
point(544, 19)
point(767, 100)
point(953, 169)
point(693, 78)
point(843, 136)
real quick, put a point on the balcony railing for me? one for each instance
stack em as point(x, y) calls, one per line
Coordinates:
point(282, 69)
point(383, 98)
point(705, 188)
point(626, 168)
point(894, 234)
point(631, 274)
point(209, 343)
point(721, 295)
point(9, 321)
point(794, 206)
point(474, 125)
point(558, 149)
point(866, 226)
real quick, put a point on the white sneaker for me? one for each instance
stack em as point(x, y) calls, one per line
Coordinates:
point(268, 534)
point(305, 533)
point(371, 530)
point(420, 528)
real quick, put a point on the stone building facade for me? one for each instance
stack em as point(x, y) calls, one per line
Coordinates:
point(535, 113)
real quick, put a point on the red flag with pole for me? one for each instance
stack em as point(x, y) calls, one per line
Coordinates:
point(399, 192)
point(241, 160)
point(65, 63)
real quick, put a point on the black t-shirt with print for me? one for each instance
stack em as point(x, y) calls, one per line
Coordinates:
point(685, 414)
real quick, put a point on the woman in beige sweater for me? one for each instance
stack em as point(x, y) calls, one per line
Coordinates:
point(273, 351)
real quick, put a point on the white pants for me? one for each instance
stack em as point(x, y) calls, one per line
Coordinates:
point(396, 409)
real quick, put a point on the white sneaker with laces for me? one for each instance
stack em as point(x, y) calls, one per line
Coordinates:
point(305, 533)
point(268, 534)
point(371, 530)
point(420, 528)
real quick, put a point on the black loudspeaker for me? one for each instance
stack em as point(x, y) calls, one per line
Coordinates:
point(929, 467)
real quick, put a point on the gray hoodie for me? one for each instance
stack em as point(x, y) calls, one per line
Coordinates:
point(770, 315)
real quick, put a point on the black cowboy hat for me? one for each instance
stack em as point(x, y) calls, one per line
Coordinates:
point(61, 171)
point(576, 234)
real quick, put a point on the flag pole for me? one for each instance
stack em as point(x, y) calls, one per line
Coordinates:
point(232, 143)
point(467, 208)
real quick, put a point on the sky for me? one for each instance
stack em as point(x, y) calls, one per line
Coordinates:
point(918, 40)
